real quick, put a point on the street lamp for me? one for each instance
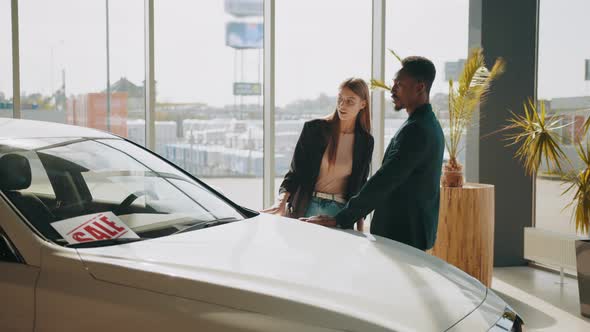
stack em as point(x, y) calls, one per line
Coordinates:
point(51, 78)
point(108, 71)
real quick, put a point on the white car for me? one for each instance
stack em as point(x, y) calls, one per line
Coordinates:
point(99, 234)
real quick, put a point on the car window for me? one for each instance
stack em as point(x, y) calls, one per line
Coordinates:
point(7, 252)
point(144, 158)
point(129, 188)
point(40, 183)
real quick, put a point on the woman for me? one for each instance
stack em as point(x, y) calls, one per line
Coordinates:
point(331, 159)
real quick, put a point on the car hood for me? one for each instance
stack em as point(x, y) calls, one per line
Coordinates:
point(283, 267)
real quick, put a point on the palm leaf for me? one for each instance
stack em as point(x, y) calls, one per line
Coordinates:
point(537, 135)
point(473, 63)
point(580, 182)
point(449, 144)
point(472, 88)
point(377, 84)
point(395, 55)
point(586, 124)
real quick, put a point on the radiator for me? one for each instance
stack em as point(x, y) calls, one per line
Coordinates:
point(550, 248)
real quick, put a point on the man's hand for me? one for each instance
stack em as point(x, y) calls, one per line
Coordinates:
point(321, 220)
point(360, 225)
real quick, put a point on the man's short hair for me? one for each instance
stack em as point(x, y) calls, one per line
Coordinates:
point(419, 68)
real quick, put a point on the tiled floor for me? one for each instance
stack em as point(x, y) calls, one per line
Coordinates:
point(537, 296)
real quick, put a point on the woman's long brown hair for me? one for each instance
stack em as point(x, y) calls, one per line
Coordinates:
point(363, 119)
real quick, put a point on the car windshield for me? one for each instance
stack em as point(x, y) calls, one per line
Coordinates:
point(81, 190)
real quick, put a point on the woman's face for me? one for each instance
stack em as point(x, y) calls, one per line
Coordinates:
point(349, 104)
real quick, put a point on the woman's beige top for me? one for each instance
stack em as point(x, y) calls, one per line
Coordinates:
point(333, 179)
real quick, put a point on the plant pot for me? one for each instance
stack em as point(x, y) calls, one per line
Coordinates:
point(452, 179)
point(583, 266)
point(465, 236)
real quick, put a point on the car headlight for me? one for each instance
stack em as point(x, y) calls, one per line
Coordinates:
point(508, 322)
point(492, 315)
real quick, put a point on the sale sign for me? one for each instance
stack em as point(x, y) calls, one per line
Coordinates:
point(93, 227)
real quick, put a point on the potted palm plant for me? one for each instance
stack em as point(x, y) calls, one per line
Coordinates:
point(536, 134)
point(464, 98)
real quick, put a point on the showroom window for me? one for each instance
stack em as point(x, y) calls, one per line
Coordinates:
point(209, 92)
point(83, 64)
point(313, 59)
point(64, 63)
point(5, 60)
point(564, 87)
point(437, 30)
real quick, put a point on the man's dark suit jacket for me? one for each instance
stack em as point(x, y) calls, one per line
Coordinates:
point(405, 191)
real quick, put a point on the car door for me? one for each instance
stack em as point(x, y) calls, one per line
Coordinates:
point(17, 289)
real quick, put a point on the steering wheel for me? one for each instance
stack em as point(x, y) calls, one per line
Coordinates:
point(126, 203)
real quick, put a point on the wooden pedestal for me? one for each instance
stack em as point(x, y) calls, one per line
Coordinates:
point(466, 229)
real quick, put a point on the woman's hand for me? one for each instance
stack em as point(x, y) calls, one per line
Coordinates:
point(280, 207)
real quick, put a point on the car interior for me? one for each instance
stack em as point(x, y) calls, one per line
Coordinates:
point(72, 197)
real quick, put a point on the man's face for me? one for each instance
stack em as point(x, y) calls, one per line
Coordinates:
point(405, 91)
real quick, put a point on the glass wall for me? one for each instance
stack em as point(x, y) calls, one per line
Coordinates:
point(564, 87)
point(437, 30)
point(5, 60)
point(127, 68)
point(63, 47)
point(312, 59)
point(208, 60)
point(62, 50)
point(209, 72)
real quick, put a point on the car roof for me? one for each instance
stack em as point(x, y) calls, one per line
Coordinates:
point(19, 128)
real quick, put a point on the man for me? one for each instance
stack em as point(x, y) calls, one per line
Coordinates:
point(404, 193)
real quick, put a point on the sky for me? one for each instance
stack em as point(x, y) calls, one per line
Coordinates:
point(319, 43)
